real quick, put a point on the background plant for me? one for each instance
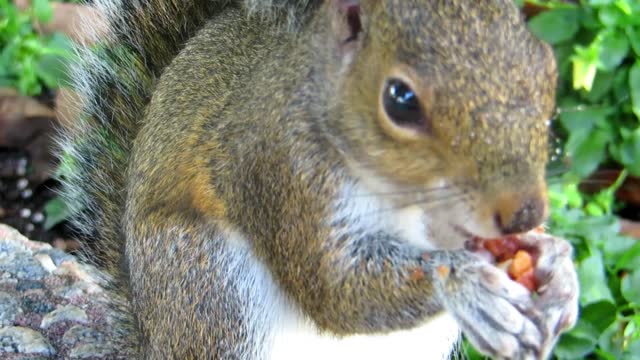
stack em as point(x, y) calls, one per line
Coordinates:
point(597, 45)
point(30, 62)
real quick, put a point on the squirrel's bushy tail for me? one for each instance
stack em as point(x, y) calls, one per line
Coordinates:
point(114, 80)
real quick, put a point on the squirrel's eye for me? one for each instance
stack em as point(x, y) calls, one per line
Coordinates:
point(401, 104)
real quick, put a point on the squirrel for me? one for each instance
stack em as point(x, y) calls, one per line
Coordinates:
point(299, 179)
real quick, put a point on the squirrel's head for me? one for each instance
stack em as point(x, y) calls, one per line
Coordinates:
point(446, 102)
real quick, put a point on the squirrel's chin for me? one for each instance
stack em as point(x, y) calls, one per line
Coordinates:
point(452, 226)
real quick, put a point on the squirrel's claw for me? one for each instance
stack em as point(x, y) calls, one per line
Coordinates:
point(558, 291)
point(499, 316)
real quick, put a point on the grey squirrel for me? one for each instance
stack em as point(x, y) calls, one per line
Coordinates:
point(299, 179)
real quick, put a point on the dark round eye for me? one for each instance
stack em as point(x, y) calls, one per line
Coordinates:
point(401, 104)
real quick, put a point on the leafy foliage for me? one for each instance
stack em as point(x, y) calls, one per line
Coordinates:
point(597, 44)
point(29, 61)
point(608, 267)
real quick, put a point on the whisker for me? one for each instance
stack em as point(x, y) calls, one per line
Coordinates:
point(440, 202)
point(451, 186)
point(430, 204)
point(405, 192)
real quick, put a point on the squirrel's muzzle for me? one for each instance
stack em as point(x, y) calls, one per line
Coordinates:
point(520, 212)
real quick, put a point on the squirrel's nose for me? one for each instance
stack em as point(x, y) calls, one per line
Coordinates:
point(517, 213)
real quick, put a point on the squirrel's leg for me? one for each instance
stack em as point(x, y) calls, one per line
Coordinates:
point(199, 300)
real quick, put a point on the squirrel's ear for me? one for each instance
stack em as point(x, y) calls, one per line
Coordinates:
point(346, 22)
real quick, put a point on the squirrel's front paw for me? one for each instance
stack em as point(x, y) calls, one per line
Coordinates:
point(557, 292)
point(496, 314)
point(500, 316)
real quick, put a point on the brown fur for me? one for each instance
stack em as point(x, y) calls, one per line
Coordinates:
point(254, 130)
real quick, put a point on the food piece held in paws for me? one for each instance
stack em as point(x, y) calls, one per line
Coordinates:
point(521, 270)
point(501, 248)
point(528, 280)
point(521, 262)
point(509, 255)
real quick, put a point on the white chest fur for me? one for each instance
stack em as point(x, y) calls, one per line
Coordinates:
point(432, 341)
point(293, 336)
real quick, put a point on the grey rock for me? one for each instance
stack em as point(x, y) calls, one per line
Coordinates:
point(64, 313)
point(8, 283)
point(37, 303)
point(70, 292)
point(58, 256)
point(7, 247)
point(17, 339)
point(16, 256)
point(84, 351)
point(38, 284)
point(81, 334)
point(9, 308)
point(7, 279)
point(24, 285)
point(21, 265)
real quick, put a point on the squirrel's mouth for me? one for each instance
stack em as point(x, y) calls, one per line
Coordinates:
point(473, 242)
point(470, 238)
point(462, 231)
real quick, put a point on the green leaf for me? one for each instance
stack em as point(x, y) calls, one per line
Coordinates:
point(629, 151)
point(601, 86)
point(633, 349)
point(588, 18)
point(621, 84)
point(556, 25)
point(599, 315)
point(577, 343)
point(42, 10)
point(614, 47)
point(583, 118)
point(612, 16)
point(587, 150)
point(471, 353)
point(630, 287)
point(611, 341)
point(633, 33)
point(624, 6)
point(621, 252)
point(594, 210)
point(56, 212)
point(565, 195)
point(634, 86)
point(585, 66)
point(598, 229)
point(572, 347)
point(593, 284)
point(52, 70)
point(596, 3)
